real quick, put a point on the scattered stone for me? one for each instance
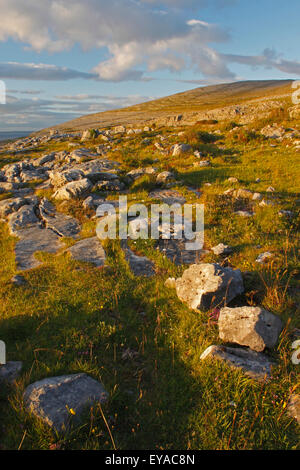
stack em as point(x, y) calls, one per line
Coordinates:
point(92, 202)
point(265, 203)
point(202, 163)
point(244, 213)
point(257, 197)
point(221, 249)
point(164, 177)
point(181, 149)
point(249, 326)
point(270, 189)
point(232, 179)
point(204, 286)
point(58, 400)
point(255, 365)
point(168, 196)
point(243, 193)
point(88, 250)
point(10, 371)
point(264, 257)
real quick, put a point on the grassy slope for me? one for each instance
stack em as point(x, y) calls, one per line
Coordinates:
point(75, 318)
point(199, 99)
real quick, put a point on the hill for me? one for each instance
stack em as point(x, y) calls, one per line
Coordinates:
point(205, 102)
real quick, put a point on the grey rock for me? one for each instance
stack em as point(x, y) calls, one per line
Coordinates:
point(88, 250)
point(74, 189)
point(254, 327)
point(52, 399)
point(25, 217)
point(139, 265)
point(168, 196)
point(62, 224)
point(8, 206)
point(255, 365)
point(61, 178)
point(32, 240)
point(181, 149)
point(204, 286)
point(244, 213)
point(92, 202)
point(264, 257)
point(7, 187)
point(221, 249)
point(10, 371)
point(164, 177)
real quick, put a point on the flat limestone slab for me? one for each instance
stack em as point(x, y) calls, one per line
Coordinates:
point(59, 400)
point(62, 224)
point(139, 265)
point(32, 240)
point(255, 365)
point(88, 250)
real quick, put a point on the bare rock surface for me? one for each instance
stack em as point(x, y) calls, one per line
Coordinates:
point(88, 250)
point(75, 189)
point(32, 240)
point(56, 400)
point(255, 365)
point(249, 326)
point(25, 217)
point(139, 265)
point(203, 286)
point(62, 224)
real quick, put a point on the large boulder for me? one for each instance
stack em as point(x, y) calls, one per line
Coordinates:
point(60, 178)
point(74, 189)
point(255, 365)
point(204, 286)
point(249, 326)
point(57, 400)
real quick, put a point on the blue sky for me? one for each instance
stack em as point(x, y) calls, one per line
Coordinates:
point(60, 59)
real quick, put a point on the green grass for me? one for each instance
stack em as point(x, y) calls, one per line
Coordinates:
point(72, 317)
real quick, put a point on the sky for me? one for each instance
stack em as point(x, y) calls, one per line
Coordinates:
point(60, 59)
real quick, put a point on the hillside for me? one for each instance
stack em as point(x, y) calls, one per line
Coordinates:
point(175, 348)
point(194, 104)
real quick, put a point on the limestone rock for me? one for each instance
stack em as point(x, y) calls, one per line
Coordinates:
point(32, 240)
point(181, 149)
point(221, 249)
point(88, 250)
point(25, 217)
point(255, 365)
point(8, 206)
point(56, 400)
point(203, 286)
point(62, 224)
point(74, 189)
point(249, 326)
